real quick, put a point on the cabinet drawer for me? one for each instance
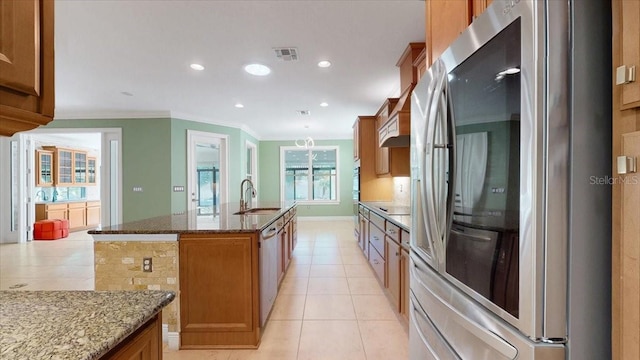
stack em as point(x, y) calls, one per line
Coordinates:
point(376, 238)
point(54, 207)
point(77, 205)
point(377, 220)
point(393, 231)
point(377, 263)
point(93, 203)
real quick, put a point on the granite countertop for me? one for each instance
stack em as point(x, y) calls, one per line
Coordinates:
point(190, 222)
point(73, 325)
point(396, 213)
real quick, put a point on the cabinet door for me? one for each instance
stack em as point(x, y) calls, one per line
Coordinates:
point(356, 140)
point(56, 212)
point(404, 283)
point(64, 167)
point(268, 276)
point(628, 253)
point(44, 168)
point(79, 167)
point(393, 271)
point(630, 51)
point(91, 170)
point(26, 65)
point(77, 215)
point(93, 215)
point(145, 344)
point(446, 20)
point(479, 6)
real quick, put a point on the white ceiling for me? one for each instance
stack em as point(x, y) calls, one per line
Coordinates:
point(105, 48)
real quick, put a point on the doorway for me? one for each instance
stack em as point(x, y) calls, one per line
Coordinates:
point(206, 176)
point(101, 155)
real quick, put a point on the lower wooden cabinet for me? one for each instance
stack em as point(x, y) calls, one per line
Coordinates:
point(404, 283)
point(219, 289)
point(144, 344)
point(81, 215)
point(77, 215)
point(393, 272)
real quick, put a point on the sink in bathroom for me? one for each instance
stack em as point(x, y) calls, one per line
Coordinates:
point(257, 211)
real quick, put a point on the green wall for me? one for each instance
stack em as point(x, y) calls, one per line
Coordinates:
point(269, 172)
point(145, 163)
point(154, 156)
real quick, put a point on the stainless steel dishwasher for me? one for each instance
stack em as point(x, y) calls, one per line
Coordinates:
point(268, 270)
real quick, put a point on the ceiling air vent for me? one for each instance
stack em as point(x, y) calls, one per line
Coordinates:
point(304, 112)
point(287, 53)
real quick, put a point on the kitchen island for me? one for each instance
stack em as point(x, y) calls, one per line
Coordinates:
point(216, 264)
point(81, 325)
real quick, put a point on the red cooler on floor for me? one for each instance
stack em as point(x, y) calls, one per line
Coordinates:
point(50, 229)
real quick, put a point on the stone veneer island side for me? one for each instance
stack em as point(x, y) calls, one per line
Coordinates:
point(213, 266)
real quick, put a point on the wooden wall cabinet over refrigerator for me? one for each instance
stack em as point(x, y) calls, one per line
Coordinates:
point(26, 65)
point(446, 20)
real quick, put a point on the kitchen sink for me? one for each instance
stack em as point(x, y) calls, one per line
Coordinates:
point(257, 211)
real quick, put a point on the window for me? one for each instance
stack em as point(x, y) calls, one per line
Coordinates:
point(309, 175)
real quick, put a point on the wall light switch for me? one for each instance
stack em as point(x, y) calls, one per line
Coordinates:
point(178, 189)
point(137, 188)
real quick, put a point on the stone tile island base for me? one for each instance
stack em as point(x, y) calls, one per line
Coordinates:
point(119, 266)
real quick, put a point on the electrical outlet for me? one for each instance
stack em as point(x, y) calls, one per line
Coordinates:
point(147, 264)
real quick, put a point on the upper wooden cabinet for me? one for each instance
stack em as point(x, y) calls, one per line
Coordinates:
point(363, 135)
point(629, 52)
point(479, 6)
point(392, 161)
point(92, 168)
point(26, 65)
point(72, 167)
point(44, 168)
point(446, 20)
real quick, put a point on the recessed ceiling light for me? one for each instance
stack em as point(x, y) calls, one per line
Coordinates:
point(239, 106)
point(324, 63)
point(197, 67)
point(324, 104)
point(257, 69)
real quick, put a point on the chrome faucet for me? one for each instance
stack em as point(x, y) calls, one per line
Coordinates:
point(44, 195)
point(244, 204)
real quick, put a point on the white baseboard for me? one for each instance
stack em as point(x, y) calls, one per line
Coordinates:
point(165, 333)
point(173, 340)
point(325, 218)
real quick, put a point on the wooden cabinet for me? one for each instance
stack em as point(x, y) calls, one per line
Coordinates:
point(420, 63)
point(44, 168)
point(79, 167)
point(26, 65)
point(92, 168)
point(629, 54)
point(93, 214)
point(219, 287)
point(372, 187)
point(392, 161)
point(144, 344)
point(51, 211)
point(363, 133)
point(62, 165)
point(404, 283)
point(478, 7)
point(77, 215)
point(393, 271)
point(446, 20)
point(625, 190)
point(81, 215)
point(72, 167)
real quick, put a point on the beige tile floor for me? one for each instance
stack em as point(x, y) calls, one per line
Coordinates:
point(329, 305)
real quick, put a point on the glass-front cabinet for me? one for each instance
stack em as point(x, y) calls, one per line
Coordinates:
point(91, 170)
point(79, 167)
point(44, 168)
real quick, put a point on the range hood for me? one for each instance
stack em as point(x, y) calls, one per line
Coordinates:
point(396, 132)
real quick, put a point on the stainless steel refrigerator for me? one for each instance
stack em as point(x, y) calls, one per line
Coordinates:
point(511, 231)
